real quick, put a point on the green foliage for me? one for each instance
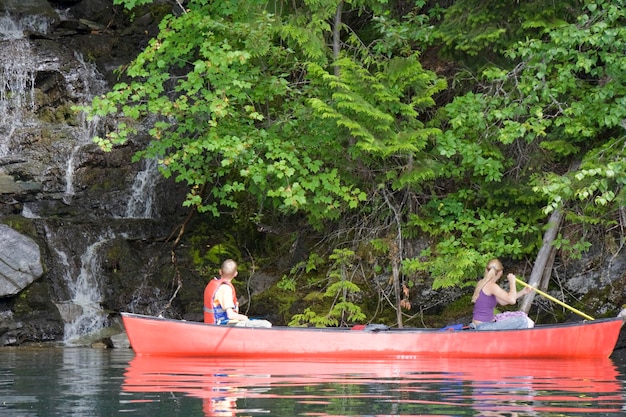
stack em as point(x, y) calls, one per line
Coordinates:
point(209, 249)
point(130, 4)
point(232, 119)
point(398, 36)
point(311, 264)
point(453, 265)
point(247, 104)
point(227, 116)
point(553, 122)
point(340, 290)
point(575, 248)
point(481, 31)
point(466, 239)
point(468, 227)
point(379, 110)
point(287, 283)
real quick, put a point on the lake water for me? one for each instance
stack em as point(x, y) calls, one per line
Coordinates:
point(90, 382)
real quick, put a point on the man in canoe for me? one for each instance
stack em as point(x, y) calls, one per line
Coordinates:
point(220, 300)
point(488, 294)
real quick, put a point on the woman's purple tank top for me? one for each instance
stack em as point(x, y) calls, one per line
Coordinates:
point(483, 307)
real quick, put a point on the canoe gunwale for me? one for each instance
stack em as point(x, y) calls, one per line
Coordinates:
point(377, 330)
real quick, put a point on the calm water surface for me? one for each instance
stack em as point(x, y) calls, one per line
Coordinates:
point(90, 382)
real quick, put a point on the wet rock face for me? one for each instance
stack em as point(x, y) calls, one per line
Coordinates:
point(81, 230)
point(38, 13)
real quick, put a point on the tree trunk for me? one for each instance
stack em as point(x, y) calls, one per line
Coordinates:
point(396, 252)
point(547, 272)
point(545, 258)
point(395, 270)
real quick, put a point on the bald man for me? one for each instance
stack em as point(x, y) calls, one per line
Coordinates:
point(220, 300)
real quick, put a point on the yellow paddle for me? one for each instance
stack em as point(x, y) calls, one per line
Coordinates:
point(549, 297)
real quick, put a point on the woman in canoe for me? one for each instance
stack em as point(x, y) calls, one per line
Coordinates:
point(488, 294)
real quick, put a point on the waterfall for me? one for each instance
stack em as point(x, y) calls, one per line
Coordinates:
point(82, 313)
point(17, 83)
point(10, 29)
point(14, 29)
point(90, 83)
point(141, 201)
point(18, 70)
point(42, 144)
point(76, 260)
point(17, 78)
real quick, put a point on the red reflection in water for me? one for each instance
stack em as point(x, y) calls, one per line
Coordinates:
point(489, 387)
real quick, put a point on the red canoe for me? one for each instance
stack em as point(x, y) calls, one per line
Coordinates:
point(167, 337)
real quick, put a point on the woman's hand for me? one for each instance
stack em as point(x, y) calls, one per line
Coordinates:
point(525, 290)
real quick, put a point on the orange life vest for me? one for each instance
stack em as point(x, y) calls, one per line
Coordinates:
point(213, 312)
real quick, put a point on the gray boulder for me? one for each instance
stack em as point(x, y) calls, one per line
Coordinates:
point(20, 261)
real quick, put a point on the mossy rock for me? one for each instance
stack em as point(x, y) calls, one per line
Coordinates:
point(34, 302)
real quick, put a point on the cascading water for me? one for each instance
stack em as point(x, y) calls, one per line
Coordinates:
point(92, 84)
point(83, 313)
point(141, 201)
point(17, 81)
point(18, 70)
point(76, 248)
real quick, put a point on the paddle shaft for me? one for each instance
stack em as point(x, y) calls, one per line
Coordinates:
point(551, 298)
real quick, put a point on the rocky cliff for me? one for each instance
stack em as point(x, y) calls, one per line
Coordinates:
point(75, 219)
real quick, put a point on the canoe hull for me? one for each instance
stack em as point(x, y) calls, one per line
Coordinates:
point(167, 337)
